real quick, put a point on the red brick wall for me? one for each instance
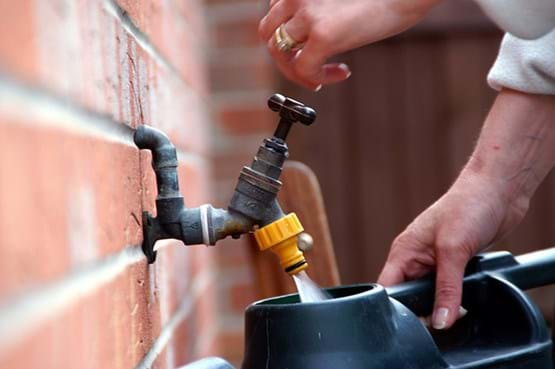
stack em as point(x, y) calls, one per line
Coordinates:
point(75, 77)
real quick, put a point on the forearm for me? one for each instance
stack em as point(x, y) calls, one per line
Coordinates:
point(413, 7)
point(395, 16)
point(516, 148)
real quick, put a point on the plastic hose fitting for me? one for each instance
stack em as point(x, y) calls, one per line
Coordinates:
point(280, 237)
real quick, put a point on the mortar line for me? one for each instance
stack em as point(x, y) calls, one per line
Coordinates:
point(21, 315)
point(238, 56)
point(144, 42)
point(121, 15)
point(182, 312)
point(34, 106)
point(239, 97)
point(227, 13)
point(208, 337)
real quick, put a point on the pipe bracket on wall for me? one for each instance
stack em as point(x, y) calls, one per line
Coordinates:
point(151, 228)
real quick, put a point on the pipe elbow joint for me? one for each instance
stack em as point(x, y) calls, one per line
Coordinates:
point(164, 159)
point(148, 138)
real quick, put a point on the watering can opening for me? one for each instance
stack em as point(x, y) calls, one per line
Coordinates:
point(336, 293)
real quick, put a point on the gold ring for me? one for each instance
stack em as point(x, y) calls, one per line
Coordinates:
point(284, 42)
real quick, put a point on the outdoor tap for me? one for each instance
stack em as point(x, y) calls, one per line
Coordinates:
point(253, 206)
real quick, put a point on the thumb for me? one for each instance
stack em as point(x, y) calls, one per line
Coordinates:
point(451, 263)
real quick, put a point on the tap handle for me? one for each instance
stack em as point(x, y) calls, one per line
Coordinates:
point(290, 111)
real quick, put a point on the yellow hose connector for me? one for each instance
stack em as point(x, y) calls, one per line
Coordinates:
point(281, 238)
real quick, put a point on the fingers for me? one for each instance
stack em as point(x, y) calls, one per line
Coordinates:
point(333, 73)
point(427, 320)
point(297, 29)
point(391, 275)
point(306, 66)
point(310, 66)
point(309, 62)
point(451, 262)
point(285, 63)
point(278, 14)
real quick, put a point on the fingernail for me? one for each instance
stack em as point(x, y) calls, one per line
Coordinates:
point(462, 312)
point(345, 68)
point(318, 88)
point(440, 318)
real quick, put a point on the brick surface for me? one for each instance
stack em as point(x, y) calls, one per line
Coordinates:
point(72, 194)
point(72, 199)
point(242, 296)
point(242, 33)
point(246, 119)
point(195, 329)
point(112, 328)
point(18, 56)
point(116, 324)
point(229, 345)
point(65, 198)
point(175, 28)
point(241, 75)
point(80, 51)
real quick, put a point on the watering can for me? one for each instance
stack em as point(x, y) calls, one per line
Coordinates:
point(367, 326)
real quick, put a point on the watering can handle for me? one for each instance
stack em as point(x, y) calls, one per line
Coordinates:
point(526, 271)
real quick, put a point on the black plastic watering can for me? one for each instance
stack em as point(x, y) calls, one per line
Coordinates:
point(370, 327)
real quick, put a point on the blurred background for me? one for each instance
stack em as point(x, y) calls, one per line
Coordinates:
point(77, 76)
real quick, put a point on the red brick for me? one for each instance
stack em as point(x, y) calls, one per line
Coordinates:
point(240, 76)
point(66, 199)
point(116, 324)
point(228, 164)
point(236, 253)
point(175, 28)
point(71, 199)
point(197, 327)
point(236, 34)
point(18, 50)
point(229, 346)
point(85, 55)
point(112, 328)
point(59, 187)
point(237, 120)
point(182, 343)
point(242, 296)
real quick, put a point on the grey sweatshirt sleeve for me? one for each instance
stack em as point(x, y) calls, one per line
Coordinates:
point(525, 65)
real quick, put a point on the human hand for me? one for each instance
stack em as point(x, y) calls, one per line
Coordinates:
point(473, 214)
point(329, 27)
point(515, 152)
